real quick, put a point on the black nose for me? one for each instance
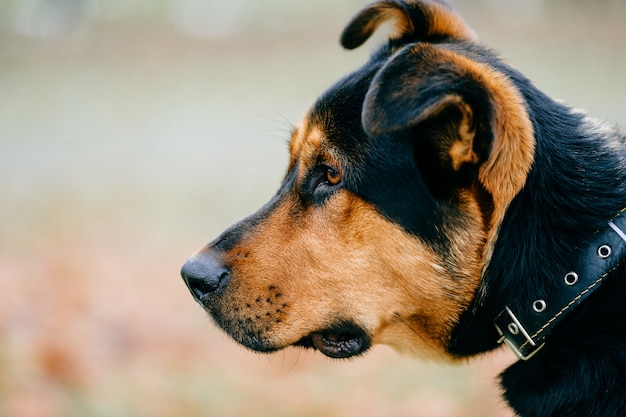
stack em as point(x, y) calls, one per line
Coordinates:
point(204, 275)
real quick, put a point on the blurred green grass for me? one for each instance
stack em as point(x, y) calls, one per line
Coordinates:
point(133, 132)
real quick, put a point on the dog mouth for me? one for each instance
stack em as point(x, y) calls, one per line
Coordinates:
point(342, 341)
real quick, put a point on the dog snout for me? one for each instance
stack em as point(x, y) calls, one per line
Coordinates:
point(204, 275)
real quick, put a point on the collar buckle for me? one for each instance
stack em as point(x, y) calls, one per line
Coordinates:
point(515, 336)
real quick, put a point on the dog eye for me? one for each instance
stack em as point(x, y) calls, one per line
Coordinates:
point(323, 181)
point(332, 176)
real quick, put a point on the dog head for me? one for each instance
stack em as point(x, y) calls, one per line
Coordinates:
point(398, 179)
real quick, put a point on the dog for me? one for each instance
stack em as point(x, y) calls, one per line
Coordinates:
point(436, 201)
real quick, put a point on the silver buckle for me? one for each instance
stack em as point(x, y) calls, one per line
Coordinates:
point(515, 327)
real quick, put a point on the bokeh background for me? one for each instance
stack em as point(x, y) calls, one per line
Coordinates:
point(134, 131)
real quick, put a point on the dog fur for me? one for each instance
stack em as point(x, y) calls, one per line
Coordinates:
point(425, 191)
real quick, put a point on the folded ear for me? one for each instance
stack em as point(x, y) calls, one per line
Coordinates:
point(412, 21)
point(462, 113)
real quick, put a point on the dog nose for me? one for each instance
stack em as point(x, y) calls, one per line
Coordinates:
point(204, 274)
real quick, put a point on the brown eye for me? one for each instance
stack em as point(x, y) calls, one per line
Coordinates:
point(332, 176)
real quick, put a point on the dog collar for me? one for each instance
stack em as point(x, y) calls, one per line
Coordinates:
point(526, 329)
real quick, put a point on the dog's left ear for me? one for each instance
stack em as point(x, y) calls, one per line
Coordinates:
point(472, 114)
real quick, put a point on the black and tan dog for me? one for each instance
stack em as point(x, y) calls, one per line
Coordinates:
point(437, 202)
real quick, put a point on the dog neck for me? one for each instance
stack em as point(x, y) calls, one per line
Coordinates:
point(525, 331)
point(576, 185)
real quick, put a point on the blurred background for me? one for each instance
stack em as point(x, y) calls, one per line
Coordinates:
point(134, 131)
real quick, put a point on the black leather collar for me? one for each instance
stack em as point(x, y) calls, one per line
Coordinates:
point(525, 331)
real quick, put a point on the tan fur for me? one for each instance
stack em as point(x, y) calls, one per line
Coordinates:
point(444, 21)
point(401, 24)
point(461, 152)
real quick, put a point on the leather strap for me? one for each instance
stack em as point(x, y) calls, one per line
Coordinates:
point(525, 330)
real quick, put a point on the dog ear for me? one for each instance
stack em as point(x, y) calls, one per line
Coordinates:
point(465, 112)
point(412, 21)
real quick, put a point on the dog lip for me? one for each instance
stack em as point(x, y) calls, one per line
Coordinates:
point(343, 341)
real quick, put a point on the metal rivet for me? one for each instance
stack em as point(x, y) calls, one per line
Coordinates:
point(539, 306)
point(513, 329)
point(604, 251)
point(571, 278)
